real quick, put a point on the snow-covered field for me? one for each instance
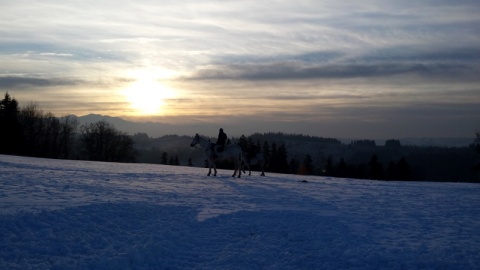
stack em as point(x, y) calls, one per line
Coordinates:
point(58, 214)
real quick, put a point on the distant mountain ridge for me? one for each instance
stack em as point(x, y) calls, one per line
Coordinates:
point(154, 130)
point(131, 127)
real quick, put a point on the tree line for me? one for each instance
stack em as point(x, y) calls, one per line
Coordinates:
point(278, 161)
point(28, 131)
point(304, 155)
point(361, 159)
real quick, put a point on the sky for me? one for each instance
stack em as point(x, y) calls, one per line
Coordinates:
point(369, 69)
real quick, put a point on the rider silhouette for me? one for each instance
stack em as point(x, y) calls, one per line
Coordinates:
point(221, 141)
point(222, 137)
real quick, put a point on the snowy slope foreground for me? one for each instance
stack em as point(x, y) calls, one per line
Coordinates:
point(57, 214)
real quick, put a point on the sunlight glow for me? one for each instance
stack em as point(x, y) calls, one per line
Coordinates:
point(147, 95)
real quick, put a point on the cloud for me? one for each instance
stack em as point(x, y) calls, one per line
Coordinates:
point(20, 82)
point(298, 71)
point(456, 63)
point(12, 82)
point(422, 54)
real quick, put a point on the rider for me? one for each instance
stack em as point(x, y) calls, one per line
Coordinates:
point(221, 140)
point(222, 137)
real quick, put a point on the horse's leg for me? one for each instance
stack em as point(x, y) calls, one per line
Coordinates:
point(240, 168)
point(239, 163)
point(234, 168)
point(209, 167)
point(240, 160)
point(214, 168)
point(245, 165)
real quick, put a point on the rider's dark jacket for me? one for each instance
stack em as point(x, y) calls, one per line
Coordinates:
point(222, 138)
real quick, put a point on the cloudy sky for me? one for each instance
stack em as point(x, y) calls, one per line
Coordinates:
point(368, 69)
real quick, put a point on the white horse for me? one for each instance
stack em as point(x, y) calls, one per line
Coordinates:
point(230, 152)
point(258, 159)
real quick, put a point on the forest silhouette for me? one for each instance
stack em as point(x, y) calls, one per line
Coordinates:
point(28, 131)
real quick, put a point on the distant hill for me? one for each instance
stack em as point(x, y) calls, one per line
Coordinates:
point(449, 142)
point(154, 130)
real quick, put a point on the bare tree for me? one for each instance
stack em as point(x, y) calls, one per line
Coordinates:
point(102, 142)
point(32, 125)
point(69, 126)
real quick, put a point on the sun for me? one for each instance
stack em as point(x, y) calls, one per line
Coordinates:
point(147, 95)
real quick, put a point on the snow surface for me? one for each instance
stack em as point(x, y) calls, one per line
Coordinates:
point(59, 214)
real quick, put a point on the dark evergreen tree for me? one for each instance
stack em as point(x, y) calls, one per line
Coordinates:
point(176, 161)
point(31, 132)
point(353, 171)
point(10, 135)
point(259, 146)
point(307, 167)
point(252, 149)
point(273, 164)
point(273, 151)
point(398, 170)
point(329, 169)
point(392, 171)
point(342, 168)
point(403, 169)
point(164, 158)
point(294, 166)
point(375, 169)
point(476, 147)
point(282, 160)
point(476, 143)
point(266, 151)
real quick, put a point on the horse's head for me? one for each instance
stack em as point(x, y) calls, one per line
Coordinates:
point(195, 141)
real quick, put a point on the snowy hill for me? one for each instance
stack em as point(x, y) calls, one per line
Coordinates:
point(58, 214)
